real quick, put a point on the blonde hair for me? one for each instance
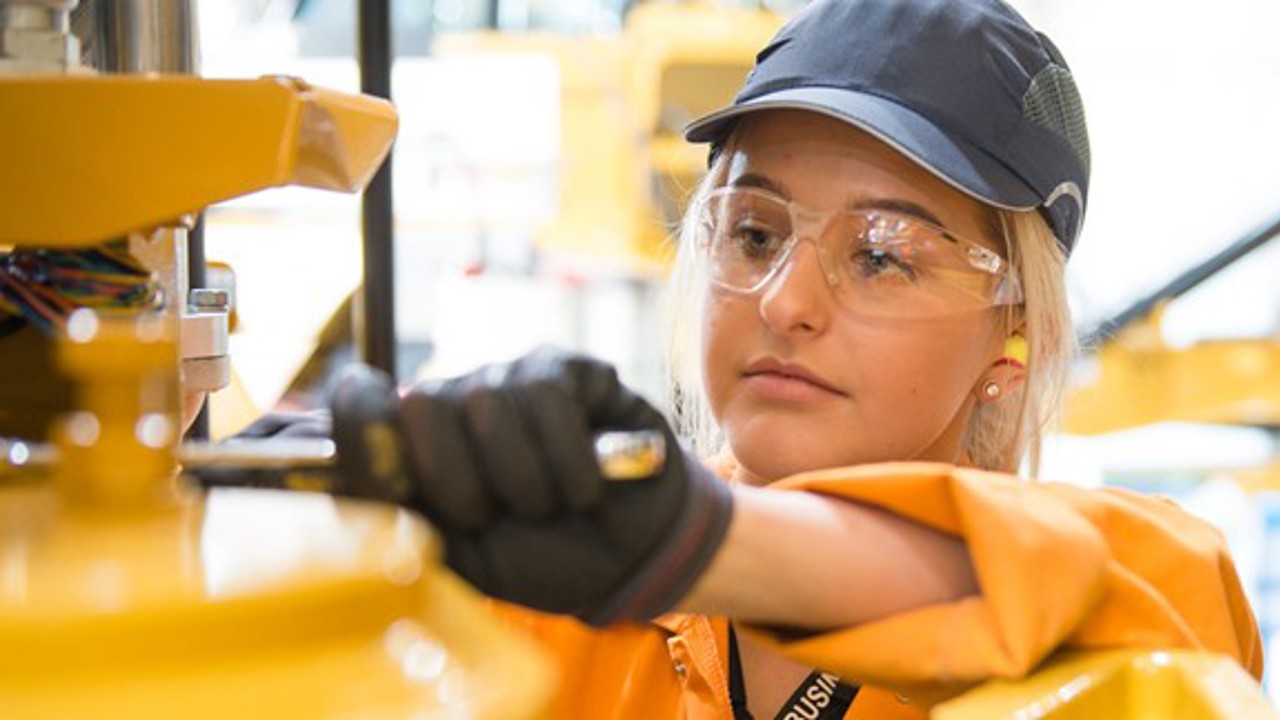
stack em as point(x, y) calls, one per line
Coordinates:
point(1000, 434)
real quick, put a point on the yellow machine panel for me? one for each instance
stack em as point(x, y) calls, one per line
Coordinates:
point(148, 149)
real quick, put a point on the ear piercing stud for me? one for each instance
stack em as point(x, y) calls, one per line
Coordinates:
point(991, 390)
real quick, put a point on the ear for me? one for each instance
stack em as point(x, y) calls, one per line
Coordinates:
point(1007, 373)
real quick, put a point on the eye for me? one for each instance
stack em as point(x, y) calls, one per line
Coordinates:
point(883, 247)
point(755, 240)
point(882, 263)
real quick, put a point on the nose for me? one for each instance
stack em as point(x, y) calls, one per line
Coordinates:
point(798, 299)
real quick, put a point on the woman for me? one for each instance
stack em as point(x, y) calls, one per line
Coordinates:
point(882, 230)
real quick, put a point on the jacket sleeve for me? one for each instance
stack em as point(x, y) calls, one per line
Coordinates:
point(1057, 566)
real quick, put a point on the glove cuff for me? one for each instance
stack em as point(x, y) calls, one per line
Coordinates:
point(670, 569)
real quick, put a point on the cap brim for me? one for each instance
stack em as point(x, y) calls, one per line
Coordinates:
point(964, 167)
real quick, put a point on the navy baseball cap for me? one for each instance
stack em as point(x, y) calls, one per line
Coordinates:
point(965, 88)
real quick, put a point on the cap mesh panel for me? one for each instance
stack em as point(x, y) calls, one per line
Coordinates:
point(1053, 102)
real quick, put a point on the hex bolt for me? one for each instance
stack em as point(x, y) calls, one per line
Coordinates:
point(209, 300)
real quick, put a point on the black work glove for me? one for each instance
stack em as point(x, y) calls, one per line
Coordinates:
point(502, 462)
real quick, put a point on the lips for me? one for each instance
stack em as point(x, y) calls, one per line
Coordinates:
point(790, 371)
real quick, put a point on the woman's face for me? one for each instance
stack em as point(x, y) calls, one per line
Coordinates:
point(877, 389)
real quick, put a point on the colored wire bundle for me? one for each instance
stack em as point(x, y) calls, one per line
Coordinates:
point(44, 287)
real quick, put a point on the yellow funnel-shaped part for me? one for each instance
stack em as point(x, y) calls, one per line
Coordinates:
point(253, 605)
point(89, 158)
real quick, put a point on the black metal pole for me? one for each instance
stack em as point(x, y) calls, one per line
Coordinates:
point(376, 328)
point(197, 277)
point(1184, 283)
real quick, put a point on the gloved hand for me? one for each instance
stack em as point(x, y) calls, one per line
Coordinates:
point(502, 462)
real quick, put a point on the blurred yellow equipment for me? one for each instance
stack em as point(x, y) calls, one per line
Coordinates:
point(1138, 379)
point(1119, 685)
point(625, 168)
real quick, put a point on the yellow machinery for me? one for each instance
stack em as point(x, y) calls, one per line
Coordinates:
point(125, 591)
point(1140, 380)
point(625, 168)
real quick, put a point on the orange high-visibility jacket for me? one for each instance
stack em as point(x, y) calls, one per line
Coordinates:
point(1058, 567)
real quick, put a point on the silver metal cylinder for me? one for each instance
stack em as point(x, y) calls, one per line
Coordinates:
point(139, 36)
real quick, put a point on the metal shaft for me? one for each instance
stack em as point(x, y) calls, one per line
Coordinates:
point(139, 36)
point(311, 463)
point(376, 323)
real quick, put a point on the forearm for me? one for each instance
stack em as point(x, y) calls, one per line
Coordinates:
point(804, 560)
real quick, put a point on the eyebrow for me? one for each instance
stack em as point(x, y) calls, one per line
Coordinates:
point(898, 205)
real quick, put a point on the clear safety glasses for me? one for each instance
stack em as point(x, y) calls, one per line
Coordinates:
point(879, 263)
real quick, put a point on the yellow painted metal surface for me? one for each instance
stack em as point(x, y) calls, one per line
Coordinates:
point(88, 158)
point(1119, 685)
point(1136, 380)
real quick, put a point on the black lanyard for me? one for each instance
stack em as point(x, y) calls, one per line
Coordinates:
point(822, 696)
